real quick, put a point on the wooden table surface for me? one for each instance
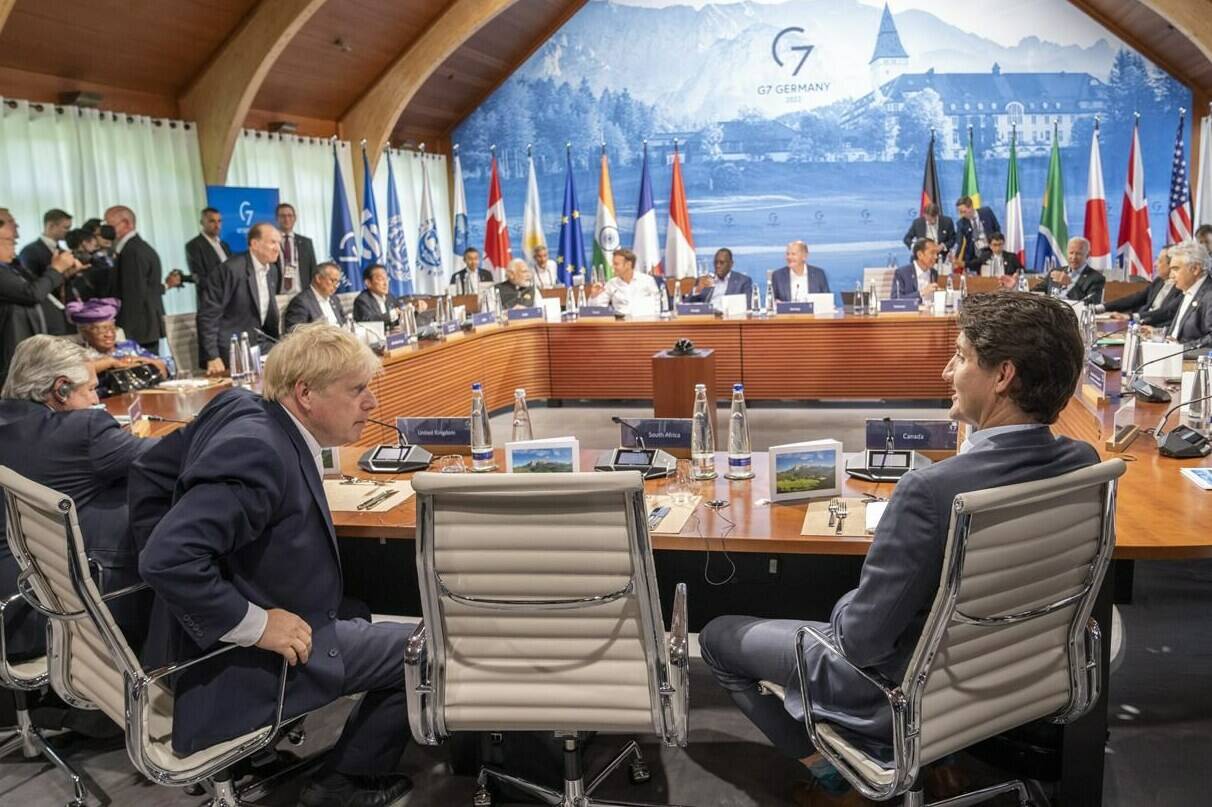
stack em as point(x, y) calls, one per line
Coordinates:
point(1160, 514)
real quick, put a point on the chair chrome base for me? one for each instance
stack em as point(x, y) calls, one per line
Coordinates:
point(33, 744)
point(915, 798)
point(575, 793)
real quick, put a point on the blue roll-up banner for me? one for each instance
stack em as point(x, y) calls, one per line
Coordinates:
point(241, 208)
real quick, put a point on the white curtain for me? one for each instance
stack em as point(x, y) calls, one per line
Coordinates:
point(85, 160)
point(407, 166)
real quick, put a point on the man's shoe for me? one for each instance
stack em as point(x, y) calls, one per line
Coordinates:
point(811, 794)
point(339, 790)
point(945, 780)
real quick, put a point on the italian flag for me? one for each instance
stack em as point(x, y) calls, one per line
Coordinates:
point(606, 226)
point(1016, 242)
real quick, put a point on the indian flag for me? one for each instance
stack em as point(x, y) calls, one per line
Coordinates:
point(606, 226)
point(1016, 242)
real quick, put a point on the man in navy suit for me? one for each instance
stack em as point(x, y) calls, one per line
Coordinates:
point(297, 259)
point(318, 302)
point(138, 281)
point(1017, 361)
point(975, 227)
point(724, 282)
point(932, 225)
point(1155, 303)
point(918, 279)
point(205, 251)
point(239, 298)
point(1080, 280)
point(239, 546)
point(50, 433)
point(36, 257)
point(798, 278)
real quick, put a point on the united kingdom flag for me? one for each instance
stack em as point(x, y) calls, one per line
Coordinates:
point(1180, 191)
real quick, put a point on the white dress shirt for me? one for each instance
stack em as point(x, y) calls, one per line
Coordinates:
point(623, 296)
point(923, 278)
point(51, 243)
point(1188, 301)
point(217, 246)
point(326, 308)
point(545, 276)
point(382, 301)
point(121, 242)
point(799, 285)
point(979, 440)
point(932, 231)
point(261, 274)
point(1162, 294)
point(248, 630)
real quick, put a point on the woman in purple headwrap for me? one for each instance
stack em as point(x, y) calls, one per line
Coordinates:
point(95, 319)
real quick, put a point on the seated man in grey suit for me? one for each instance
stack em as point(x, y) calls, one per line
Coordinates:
point(1017, 361)
point(795, 281)
point(318, 302)
point(918, 279)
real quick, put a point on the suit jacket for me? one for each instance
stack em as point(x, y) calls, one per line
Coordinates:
point(230, 510)
point(460, 279)
point(736, 283)
point(305, 307)
point(1088, 284)
point(1141, 302)
point(512, 295)
point(1010, 263)
point(202, 259)
point(817, 282)
point(84, 455)
point(904, 282)
point(366, 309)
point(963, 231)
point(138, 282)
point(306, 260)
point(879, 623)
point(20, 314)
point(946, 232)
point(36, 257)
point(1195, 327)
point(229, 305)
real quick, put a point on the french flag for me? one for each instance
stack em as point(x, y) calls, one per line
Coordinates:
point(645, 245)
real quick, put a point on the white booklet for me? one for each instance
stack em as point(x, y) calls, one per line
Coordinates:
point(1200, 476)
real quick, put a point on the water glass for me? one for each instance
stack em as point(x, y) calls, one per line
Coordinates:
point(449, 464)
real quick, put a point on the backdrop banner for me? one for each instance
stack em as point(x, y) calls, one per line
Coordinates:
point(241, 208)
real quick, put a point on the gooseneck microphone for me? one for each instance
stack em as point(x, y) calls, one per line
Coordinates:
point(639, 438)
point(403, 441)
point(1151, 392)
point(1184, 442)
point(273, 339)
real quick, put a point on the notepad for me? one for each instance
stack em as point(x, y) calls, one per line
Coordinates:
point(873, 513)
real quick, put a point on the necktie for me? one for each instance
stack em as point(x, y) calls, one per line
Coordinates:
point(288, 250)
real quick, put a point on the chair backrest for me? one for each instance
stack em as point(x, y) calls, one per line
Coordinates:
point(539, 593)
point(86, 654)
point(181, 330)
point(1006, 640)
point(882, 276)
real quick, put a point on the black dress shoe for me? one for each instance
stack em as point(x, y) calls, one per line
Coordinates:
point(339, 790)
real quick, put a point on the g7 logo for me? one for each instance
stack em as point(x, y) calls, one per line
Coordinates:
point(805, 49)
point(246, 213)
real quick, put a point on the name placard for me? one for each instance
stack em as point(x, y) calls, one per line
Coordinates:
point(913, 435)
point(794, 308)
point(525, 313)
point(657, 432)
point(1096, 377)
point(595, 311)
point(436, 431)
point(695, 310)
point(397, 341)
point(482, 318)
point(139, 426)
point(449, 328)
point(899, 305)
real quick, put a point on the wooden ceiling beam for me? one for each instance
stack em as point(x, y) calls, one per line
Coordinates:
point(6, 7)
point(1190, 19)
point(375, 113)
point(220, 97)
point(1094, 10)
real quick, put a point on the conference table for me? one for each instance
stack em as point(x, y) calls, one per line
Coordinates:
point(753, 546)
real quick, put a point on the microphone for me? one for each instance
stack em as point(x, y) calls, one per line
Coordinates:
point(1103, 360)
point(1184, 442)
point(1151, 392)
point(162, 419)
point(639, 438)
point(262, 333)
point(403, 441)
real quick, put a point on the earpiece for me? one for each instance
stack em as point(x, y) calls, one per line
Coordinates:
point(62, 391)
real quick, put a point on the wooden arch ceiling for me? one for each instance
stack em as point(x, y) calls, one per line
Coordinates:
point(401, 70)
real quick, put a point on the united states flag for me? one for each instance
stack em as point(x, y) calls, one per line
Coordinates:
point(1180, 191)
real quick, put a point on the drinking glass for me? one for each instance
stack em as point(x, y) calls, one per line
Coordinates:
point(681, 488)
point(449, 464)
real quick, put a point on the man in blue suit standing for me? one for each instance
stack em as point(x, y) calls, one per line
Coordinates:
point(918, 279)
point(239, 547)
point(798, 279)
point(1017, 361)
point(710, 288)
point(975, 227)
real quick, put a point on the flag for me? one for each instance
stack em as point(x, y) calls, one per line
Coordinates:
point(679, 240)
point(1180, 190)
point(1203, 179)
point(532, 217)
point(1135, 246)
point(460, 212)
point(399, 272)
point(1016, 242)
point(1053, 240)
point(970, 187)
point(606, 227)
point(570, 257)
point(644, 243)
point(496, 229)
point(372, 247)
point(343, 243)
point(930, 190)
point(1095, 229)
point(429, 250)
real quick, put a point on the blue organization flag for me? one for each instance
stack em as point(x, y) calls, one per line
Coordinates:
point(398, 269)
point(372, 247)
point(343, 244)
point(570, 257)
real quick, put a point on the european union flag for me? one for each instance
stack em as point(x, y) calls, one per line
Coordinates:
point(343, 246)
point(570, 257)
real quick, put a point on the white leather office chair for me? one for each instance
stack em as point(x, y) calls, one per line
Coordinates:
point(91, 666)
point(1009, 638)
point(541, 614)
point(882, 276)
